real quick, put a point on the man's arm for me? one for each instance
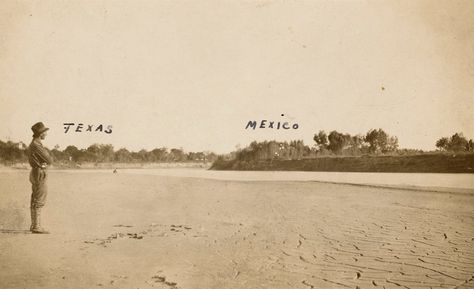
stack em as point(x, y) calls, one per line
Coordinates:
point(43, 154)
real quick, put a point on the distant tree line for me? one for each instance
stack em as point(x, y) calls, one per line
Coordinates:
point(272, 150)
point(12, 152)
point(375, 141)
point(456, 143)
point(334, 143)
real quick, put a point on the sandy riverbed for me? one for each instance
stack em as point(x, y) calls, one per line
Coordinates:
point(142, 231)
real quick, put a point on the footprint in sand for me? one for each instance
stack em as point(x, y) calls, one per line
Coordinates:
point(179, 228)
point(160, 279)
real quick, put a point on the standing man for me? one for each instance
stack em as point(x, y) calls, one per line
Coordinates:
point(39, 159)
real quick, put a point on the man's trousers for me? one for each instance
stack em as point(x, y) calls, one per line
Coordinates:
point(38, 177)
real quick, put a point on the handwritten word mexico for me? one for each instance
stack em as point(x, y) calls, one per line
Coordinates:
point(252, 124)
point(80, 127)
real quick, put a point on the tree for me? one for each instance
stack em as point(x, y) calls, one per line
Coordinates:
point(321, 140)
point(107, 153)
point(357, 141)
point(470, 146)
point(392, 145)
point(58, 155)
point(12, 152)
point(380, 142)
point(73, 153)
point(442, 143)
point(458, 143)
point(177, 155)
point(122, 156)
point(272, 150)
point(144, 155)
point(160, 154)
point(199, 156)
point(338, 141)
point(356, 145)
point(210, 156)
point(100, 153)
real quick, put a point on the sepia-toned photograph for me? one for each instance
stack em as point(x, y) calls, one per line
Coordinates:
point(244, 144)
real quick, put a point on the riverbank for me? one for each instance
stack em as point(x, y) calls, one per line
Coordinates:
point(423, 163)
point(111, 166)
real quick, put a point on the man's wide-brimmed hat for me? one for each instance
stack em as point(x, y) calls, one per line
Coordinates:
point(38, 128)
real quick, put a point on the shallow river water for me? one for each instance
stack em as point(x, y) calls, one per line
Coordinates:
point(460, 181)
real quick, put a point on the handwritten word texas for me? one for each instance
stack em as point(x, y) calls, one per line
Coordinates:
point(80, 127)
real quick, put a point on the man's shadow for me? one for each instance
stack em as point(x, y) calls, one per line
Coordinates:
point(13, 231)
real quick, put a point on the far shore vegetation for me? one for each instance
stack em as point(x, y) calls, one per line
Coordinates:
point(17, 152)
point(375, 143)
point(376, 151)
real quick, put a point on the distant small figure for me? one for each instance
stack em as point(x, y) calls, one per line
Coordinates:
point(115, 171)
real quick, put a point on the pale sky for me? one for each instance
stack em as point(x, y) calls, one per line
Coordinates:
point(191, 74)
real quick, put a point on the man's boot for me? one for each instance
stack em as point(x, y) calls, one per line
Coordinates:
point(33, 218)
point(37, 229)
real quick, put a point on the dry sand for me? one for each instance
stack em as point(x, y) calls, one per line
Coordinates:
point(138, 231)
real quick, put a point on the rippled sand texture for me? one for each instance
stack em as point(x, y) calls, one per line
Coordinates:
point(136, 231)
